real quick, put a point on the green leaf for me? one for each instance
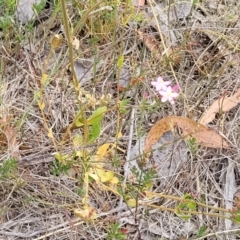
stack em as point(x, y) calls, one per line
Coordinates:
point(79, 120)
point(194, 2)
point(8, 168)
point(184, 217)
point(123, 107)
point(120, 61)
point(96, 129)
point(97, 116)
point(236, 218)
point(61, 158)
point(187, 196)
point(182, 205)
point(202, 231)
point(191, 205)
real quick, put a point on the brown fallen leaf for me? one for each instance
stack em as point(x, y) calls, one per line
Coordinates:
point(8, 138)
point(222, 105)
point(151, 43)
point(155, 48)
point(203, 135)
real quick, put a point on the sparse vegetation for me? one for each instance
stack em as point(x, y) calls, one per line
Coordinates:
point(82, 83)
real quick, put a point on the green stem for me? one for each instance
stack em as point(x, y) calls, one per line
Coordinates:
point(189, 200)
point(71, 59)
point(184, 211)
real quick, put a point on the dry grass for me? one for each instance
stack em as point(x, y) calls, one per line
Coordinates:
point(35, 204)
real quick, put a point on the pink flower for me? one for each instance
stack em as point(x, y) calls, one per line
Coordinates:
point(145, 95)
point(159, 84)
point(168, 95)
point(176, 88)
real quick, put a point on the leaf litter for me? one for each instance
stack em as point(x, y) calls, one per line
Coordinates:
point(190, 129)
point(168, 156)
point(221, 105)
point(175, 167)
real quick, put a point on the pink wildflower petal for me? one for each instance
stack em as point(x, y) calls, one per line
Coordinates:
point(145, 95)
point(169, 89)
point(155, 84)
point(176, 88)
point(162, 93)
point(167, 83)
point(159, 84)
point(164, 99)
point(174, 95)
point(159, 78)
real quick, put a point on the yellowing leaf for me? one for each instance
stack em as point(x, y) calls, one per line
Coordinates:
point(94, 176)
point(77, 141)
point(120, 61)
point(191, 129)
point(61, 158)
point(79, 153)
point(86, 214)
point(222, 105)
point(119, 135)
point(50, 133)
point(131, 202)
point(105, 176)
point(114, 180)
point(103, 150)
point(56, 41)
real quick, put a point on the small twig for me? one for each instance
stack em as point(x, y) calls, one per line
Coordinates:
point(126, 165)
point(219, 233)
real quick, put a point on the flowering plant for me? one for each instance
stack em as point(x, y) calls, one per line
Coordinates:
point(164, 88)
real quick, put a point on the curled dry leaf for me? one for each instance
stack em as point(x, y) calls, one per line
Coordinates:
point(56, 41)
point(190, 129)
point(87, 214)
point(8, 137)
point(151, 43)
point(222, 105)
point(155, 48)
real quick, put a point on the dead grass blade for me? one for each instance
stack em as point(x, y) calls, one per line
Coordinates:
point(190, 129)
point(222, 105)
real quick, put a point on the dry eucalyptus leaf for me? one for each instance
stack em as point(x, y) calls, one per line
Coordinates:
point(8, 137)
point(203, 135)
point(168, 156)
point(155, 48)
point(151, 43)
point(222, 105)
point(87, 214)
